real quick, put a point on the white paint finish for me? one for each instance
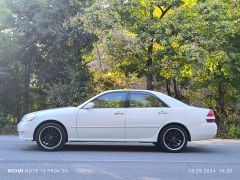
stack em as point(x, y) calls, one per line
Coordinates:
point(145, 122)
point(101, 123)
point(130, 124)
point(203, 131)
point(26, 129)
point(66, 116)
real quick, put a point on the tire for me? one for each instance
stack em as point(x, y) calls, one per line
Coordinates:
point(173, 138)
point(51, 137)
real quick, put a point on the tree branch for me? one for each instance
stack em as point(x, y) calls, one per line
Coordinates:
point(160, 8)
point(164, 11)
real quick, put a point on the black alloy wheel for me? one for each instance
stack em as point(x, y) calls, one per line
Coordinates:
point(50, 137)
point(173, 138)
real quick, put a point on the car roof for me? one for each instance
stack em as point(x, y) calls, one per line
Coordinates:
point(136, 90)
point(130, 90)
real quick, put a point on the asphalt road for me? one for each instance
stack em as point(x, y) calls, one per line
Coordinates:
point(213, 159)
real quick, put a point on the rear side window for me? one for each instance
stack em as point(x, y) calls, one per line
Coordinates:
point(144, 100)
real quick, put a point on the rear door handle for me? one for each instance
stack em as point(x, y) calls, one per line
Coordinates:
point(119, 113)
point(162, 112)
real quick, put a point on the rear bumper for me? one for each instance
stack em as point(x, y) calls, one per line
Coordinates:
point(203, 131)
point(26, 130)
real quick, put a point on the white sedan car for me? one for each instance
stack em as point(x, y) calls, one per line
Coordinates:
point(121, 116)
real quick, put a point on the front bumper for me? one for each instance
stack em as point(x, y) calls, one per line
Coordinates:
point(26, 130)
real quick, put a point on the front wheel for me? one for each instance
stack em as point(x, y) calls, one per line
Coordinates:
point(173, 138)
point(51, 137)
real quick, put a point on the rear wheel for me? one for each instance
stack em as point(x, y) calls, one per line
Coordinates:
point(173, 138)
point(51, 137)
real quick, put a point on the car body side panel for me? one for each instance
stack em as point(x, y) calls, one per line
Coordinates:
point(145, 123)
point(194, 119)
point(102, 123)
point(66, 116)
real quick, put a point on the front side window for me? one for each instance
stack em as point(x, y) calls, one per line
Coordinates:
point(110, 100)
point(144, 100)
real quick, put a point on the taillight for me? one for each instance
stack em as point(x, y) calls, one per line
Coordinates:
point(210, 116)
point(210, 120)
point(210, 113)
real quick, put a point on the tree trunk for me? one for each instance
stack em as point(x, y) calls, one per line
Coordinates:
point(221, 94)
point(27, 75)
point(176, 91)
point(149, 75)
point(149, 64)
point(168, 86)
point(221, 107)
point(99, 57)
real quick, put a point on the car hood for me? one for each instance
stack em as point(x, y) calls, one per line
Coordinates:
point(62, 110)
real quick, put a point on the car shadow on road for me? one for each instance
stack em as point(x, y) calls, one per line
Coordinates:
point(121, 148)
point(128, 148)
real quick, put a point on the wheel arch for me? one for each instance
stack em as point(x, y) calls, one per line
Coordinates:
point(49, 121)
point(178, 124)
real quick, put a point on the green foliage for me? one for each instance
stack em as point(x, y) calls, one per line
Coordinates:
point(195, 48)
point(7, 127)
point(233, 132)
point(43, 52)
point(3, 120)
point(60, 52)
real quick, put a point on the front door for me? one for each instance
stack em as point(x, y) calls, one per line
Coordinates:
point(105, 120)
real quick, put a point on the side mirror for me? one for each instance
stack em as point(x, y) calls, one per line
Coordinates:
point(90, 105)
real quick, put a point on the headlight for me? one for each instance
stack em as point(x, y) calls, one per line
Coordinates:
point(29, 117)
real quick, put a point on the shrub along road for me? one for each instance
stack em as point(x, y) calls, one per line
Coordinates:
point(212, 159)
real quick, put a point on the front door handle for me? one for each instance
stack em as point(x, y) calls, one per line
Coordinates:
point(162, 112)
point(119, 113)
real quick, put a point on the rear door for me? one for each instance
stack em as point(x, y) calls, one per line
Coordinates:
point(145, 115)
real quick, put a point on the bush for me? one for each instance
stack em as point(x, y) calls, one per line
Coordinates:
point(233, 132)
point(7, 127)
